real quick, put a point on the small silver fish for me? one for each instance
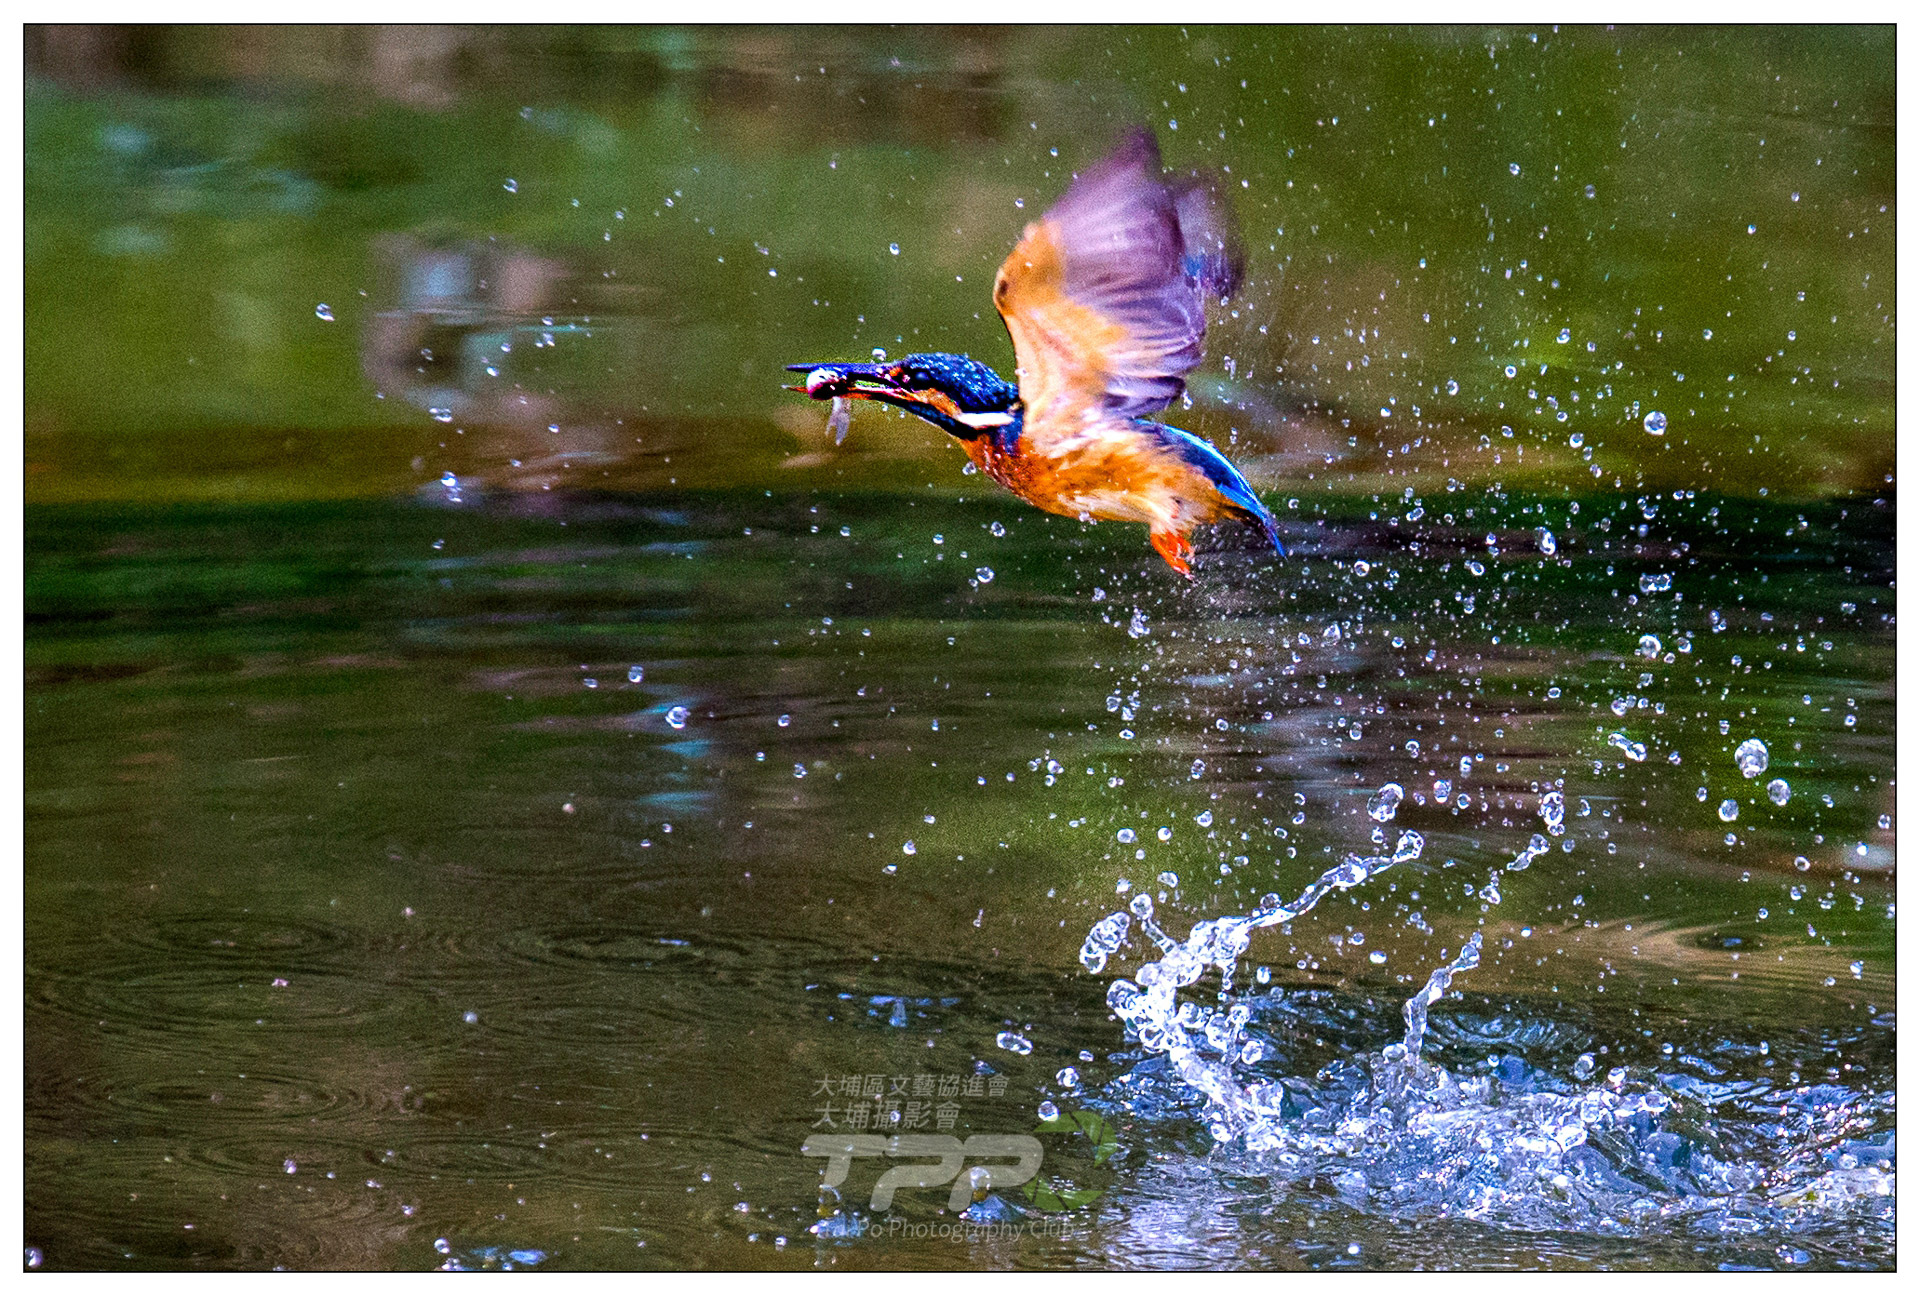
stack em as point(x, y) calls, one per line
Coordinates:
point(839, 418)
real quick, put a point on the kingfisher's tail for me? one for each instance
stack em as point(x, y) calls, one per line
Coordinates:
point(1264, 520)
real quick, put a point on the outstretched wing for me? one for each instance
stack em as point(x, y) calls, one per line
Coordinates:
point(1104, 296)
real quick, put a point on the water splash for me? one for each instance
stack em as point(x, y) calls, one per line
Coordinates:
point(1430, 994)
point(1498, 1140)
point(1187, 1033)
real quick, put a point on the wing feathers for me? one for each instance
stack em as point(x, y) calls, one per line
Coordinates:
point(1104, 296)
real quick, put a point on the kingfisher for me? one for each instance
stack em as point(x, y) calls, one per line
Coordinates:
point(1104, 298)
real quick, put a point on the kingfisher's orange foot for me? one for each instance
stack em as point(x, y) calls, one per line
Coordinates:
point(1173, 546)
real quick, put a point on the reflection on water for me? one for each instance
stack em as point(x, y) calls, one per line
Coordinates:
point(536, 879)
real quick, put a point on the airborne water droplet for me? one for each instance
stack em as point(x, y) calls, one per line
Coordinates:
point(1385, 803)
point(1751, 757)
point(324, 311)
point(1656, 423)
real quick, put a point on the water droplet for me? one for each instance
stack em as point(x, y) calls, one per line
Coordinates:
point(908, 848)
point(440, 413)
point(511, 186)
point(996, 529)
point(677, 717)
point(1124, 836)
point(1513, 168)
point(1729, 810)
point(1014, 1043)
point(1453, 388)
point(1751, 757)
point(984, 575)
point(1649, 646)
point(635, 674)
point(1566, 336)
point(1195, 770)
point(1655, 422)
point(1067, 1076)
point(1164, 833)
point(1385, 803)
point(1632, 750)
point(894, 248)
point(1553, 809)
point(1377, 957)
point(323, 311)
point(1778, 791)
point(1048, 1111)
point(1548, 545)
point(591, 682)
point(290, 1166)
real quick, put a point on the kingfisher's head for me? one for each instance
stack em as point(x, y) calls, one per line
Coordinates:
point(955, 393)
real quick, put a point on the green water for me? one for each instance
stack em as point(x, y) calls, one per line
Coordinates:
point(417, 875)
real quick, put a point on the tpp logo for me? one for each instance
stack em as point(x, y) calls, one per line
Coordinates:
point(950, 1157)
point(950, 1154)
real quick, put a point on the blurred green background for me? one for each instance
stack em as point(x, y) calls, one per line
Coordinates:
point(1501, 247)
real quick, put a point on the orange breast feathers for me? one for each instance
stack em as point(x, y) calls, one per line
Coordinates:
point(1116, 472)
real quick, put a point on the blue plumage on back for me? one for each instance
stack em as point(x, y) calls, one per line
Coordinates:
point(1224, 476)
